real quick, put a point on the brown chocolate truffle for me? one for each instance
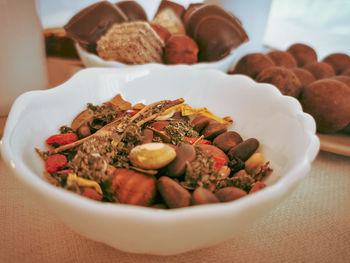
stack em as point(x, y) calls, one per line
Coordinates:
point(282, 58)
point(320, 70)
point(344, 79)
point(252, 64)
point(303, 54)
point(284, 79)
point(215, 30)
point(346, 72)
point(338, 61)
point(180, 49)
point(327, 100)
point(304, 76)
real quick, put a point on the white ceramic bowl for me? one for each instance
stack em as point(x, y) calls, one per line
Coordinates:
point(92, 60)
point(287, 137)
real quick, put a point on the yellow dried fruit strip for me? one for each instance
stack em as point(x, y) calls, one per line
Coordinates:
point(187, 110)
point(71, 178)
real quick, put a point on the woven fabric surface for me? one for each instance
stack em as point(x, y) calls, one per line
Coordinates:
point(312, 225)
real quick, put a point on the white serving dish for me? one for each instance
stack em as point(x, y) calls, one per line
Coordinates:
point(287, 137)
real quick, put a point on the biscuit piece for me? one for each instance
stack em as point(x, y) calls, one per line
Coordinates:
point(131, 43)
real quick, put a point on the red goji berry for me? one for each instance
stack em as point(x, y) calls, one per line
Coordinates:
point(92, 194)
point(257, 186)
point(62, 139)
point(193, 140)
point(55, 162)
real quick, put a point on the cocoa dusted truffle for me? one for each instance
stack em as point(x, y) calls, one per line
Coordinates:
point(338, 61)
point(303, 54)
point(304, 76)
point(320, 70)
point(252, 64)
point(327, 100)
point(282, 58)
point(346, 72)
point(180, 49)
point(284, 79)
point(344, 79)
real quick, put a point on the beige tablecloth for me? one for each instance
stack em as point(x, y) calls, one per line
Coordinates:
point(312, 225)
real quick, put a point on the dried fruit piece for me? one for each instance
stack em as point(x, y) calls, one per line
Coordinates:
point(152, 155)
point(55, 162)
point(202, 196)
point(257, 186)
point(92, 194)
point(174, 195)
point(218, 155)
point(133, 188)
point(83, 118)
point(120, 102)
point(193, 140)
point(62, 139)
point(231, 193)
point(159, 125)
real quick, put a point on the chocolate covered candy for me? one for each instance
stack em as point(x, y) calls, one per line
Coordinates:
point(132, 10)
point(88, 25)
point(215, 30)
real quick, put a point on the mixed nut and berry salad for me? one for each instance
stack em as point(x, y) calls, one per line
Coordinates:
point(163, 155)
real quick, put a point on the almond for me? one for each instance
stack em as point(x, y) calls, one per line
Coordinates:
point(152, 155)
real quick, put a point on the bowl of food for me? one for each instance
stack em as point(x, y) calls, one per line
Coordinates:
point(123, 35)
point(118, 176)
